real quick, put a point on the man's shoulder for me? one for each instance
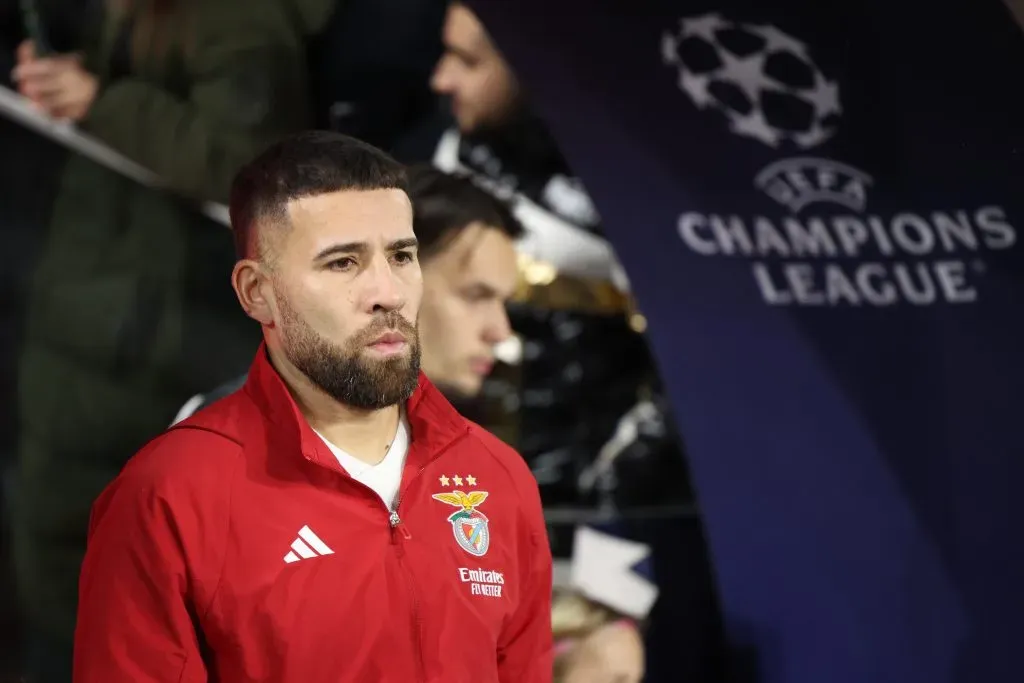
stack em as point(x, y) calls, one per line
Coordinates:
point(507, 457)
point(183, 453)
point(184, 473)
point(498, 448)
point(199, 451)
point(176, 489)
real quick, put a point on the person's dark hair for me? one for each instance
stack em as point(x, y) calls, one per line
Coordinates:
point(305, 165)
point(444, 205)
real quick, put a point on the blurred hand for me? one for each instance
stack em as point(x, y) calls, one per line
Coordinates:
point(613, 653)
point(57, 85)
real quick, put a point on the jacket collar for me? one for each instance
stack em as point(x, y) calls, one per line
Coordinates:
point(433, 422)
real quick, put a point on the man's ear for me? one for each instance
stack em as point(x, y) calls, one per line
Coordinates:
point(254, 290)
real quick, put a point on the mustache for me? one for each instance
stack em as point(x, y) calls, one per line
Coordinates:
point(392, 321)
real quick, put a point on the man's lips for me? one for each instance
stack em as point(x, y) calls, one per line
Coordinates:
point(389, 338)
point(481, 366)
point(389, 344)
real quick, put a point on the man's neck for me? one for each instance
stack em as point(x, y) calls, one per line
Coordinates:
point(363, 434)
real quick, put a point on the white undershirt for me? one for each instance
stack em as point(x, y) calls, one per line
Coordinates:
point(385, 477)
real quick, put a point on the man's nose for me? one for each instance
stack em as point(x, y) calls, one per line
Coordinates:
point(384, 289)
point(440, 80)
point(498, 328)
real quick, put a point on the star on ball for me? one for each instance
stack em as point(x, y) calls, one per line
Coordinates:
point(777, 41)
point(825, 96)
point(746, 73)
point(753, 125)
point(704, 26)
point(696, 86)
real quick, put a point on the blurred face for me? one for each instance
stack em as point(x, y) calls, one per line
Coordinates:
point(463, 314)
point(473, 73)
point(338, 293)
point(612, 654)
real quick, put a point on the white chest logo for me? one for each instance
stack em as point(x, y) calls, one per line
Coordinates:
point(307, 546)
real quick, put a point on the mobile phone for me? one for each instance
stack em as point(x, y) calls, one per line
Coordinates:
point(34, 29)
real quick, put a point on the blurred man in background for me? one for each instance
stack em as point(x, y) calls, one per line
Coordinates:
point(509, 150)
point(467, 254)
point(483, 89)
point(469, 271)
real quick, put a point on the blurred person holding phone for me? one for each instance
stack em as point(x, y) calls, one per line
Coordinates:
point(467, 254)
point(129, 312)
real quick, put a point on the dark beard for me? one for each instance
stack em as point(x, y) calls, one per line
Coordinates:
point(344, 373)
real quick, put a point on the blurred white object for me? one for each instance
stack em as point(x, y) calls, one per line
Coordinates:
point(549, 238)
point(602, 571)
point(561, 574)
point(191, 406)
point(626, 433)
point(510, 351)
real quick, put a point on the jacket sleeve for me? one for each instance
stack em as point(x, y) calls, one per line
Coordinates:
point(246, 87)
point(140, 594)
point(525, 650)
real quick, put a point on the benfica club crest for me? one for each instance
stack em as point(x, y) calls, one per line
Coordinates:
point(469, 525)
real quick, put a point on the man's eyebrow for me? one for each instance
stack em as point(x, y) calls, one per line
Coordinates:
point(462, 53)
point(482, 288)
point(363, 247)
point(406, 243)
point(346, 248)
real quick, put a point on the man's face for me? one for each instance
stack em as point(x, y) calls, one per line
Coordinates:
point(345, 290)
point(463, 315)
point(473, 73)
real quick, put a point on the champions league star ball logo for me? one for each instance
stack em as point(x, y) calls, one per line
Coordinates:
point(761, 79)
point(469, 525)
point(829, 246)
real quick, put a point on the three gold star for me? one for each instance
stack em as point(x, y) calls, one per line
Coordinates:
point(469, 480)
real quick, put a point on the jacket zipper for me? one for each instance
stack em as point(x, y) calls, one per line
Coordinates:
point(399, 534)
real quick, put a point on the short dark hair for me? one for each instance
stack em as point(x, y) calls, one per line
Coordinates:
point(305, 165)
point(444, 204)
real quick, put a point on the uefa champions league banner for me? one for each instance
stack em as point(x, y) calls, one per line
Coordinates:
point(820, 207)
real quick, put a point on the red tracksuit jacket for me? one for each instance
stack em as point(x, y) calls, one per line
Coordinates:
point(234, 548)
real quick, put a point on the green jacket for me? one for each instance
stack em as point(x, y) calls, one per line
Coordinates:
point(131, 310)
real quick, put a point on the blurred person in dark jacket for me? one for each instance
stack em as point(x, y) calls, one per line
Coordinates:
point(467, 255)
point(586, 367)
point(131, 311)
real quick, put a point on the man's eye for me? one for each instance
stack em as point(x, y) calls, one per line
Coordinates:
point(404, 257)
point(477, 295)
point(342, 264)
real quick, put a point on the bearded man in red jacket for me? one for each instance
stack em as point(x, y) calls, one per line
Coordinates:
point(335, 520)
